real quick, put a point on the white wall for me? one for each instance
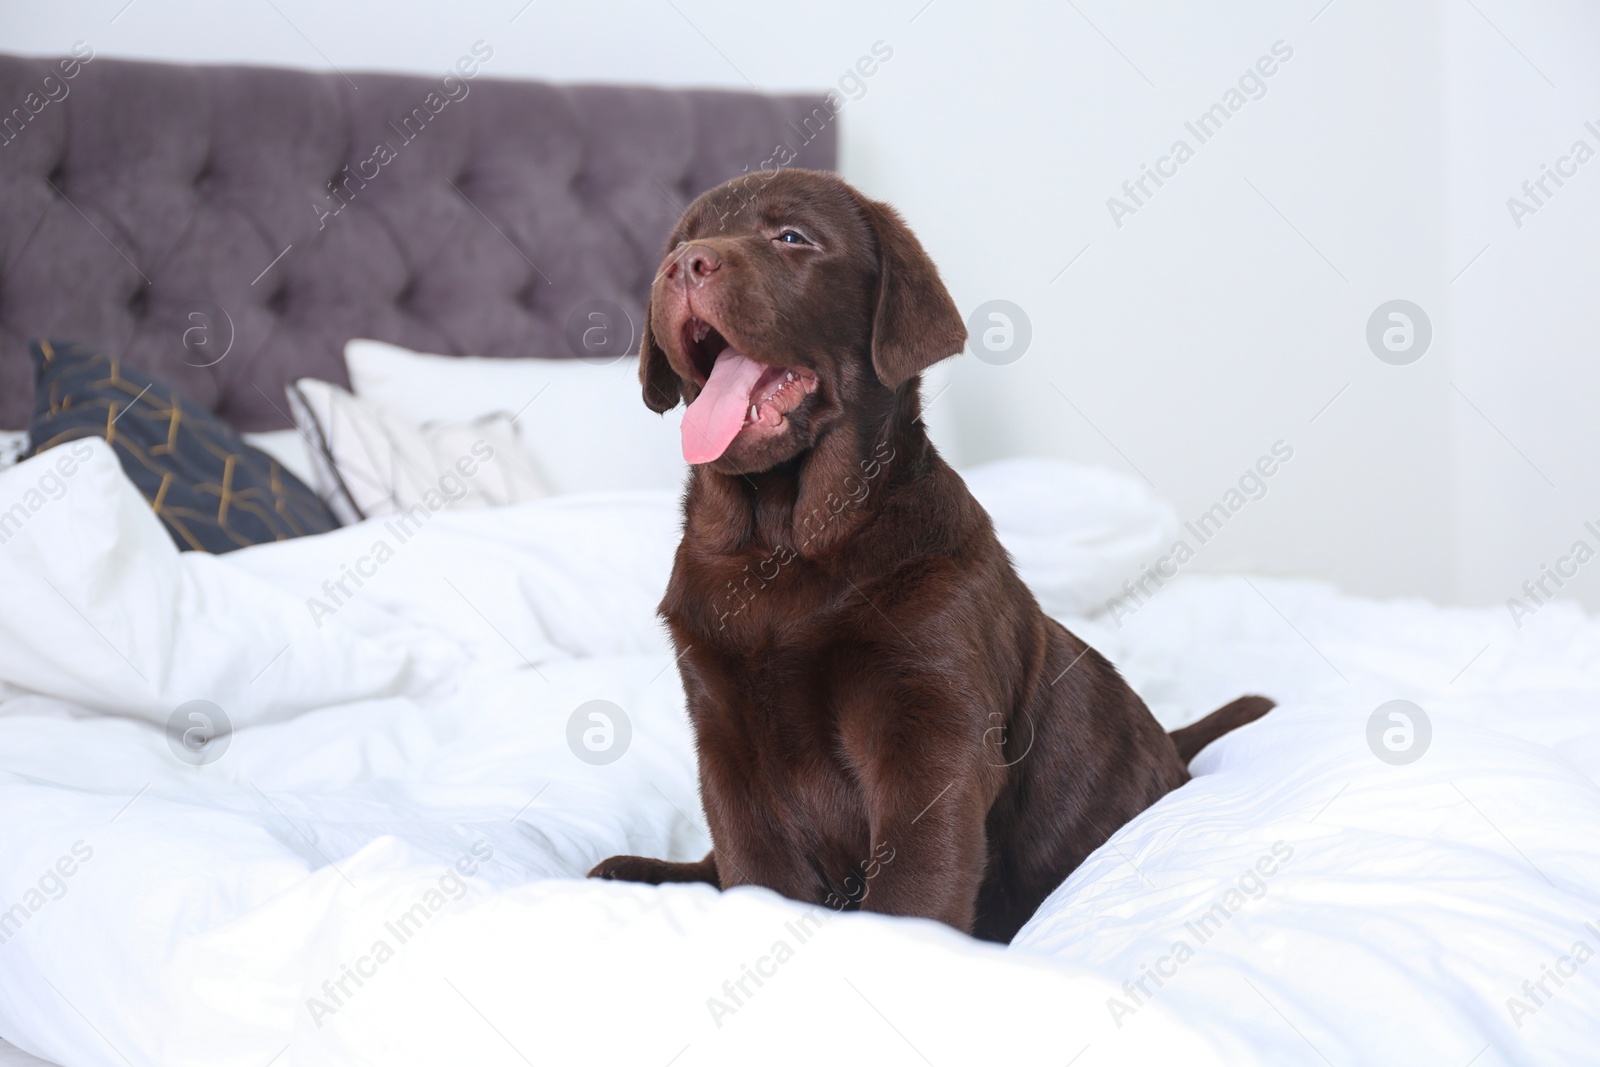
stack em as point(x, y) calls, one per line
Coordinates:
point(1528, 312)
point(1222, 316)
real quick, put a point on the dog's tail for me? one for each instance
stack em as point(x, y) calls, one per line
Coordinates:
point(1196, 736)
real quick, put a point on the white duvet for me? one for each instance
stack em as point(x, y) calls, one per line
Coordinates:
point(384, 864)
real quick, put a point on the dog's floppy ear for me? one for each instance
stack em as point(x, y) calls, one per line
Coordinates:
point(663, 389)
point(916, 323)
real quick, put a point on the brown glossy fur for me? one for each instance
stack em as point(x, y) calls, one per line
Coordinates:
point(885, 718)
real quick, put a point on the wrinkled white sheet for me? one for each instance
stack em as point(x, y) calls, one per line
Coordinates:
point(1415, 900)
point(410, 756)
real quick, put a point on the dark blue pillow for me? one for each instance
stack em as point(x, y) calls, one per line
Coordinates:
point(213, 492)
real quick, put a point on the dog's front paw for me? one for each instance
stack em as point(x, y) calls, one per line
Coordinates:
point(630, 869)
point(655, 872)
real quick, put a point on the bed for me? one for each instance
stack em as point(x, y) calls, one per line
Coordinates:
point(384, 863)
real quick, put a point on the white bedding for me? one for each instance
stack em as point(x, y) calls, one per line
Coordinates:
point(412, 751)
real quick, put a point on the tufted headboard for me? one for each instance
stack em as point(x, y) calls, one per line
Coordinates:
point(169, 214)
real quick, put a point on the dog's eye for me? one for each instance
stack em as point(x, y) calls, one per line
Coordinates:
point(792, 237)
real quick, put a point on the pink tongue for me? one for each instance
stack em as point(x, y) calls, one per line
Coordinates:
point(714, 419)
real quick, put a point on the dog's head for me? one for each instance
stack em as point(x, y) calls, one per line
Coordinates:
point(787, 303)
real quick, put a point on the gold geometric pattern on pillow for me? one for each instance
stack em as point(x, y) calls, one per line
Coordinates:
point(130, 424)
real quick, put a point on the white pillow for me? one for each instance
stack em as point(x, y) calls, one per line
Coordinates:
point(288, 447)
point(1076, 533)
point(584, 422)
point(372, 463)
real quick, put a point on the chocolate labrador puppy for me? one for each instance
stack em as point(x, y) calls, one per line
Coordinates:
point(885, 718)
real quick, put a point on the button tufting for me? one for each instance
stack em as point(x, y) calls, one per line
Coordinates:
point(57, 176)
point(139, 302)
point(406, 293)
point(278, 302)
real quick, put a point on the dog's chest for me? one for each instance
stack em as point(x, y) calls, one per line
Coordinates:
point(757, 601)
point(776, 662)
point(768, 678)
point(771, 736)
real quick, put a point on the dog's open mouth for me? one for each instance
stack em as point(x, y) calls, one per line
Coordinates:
point(739, 395)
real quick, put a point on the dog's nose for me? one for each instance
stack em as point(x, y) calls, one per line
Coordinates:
point(693, 265)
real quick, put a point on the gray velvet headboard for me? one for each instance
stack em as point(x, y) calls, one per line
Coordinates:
point(163, 212)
